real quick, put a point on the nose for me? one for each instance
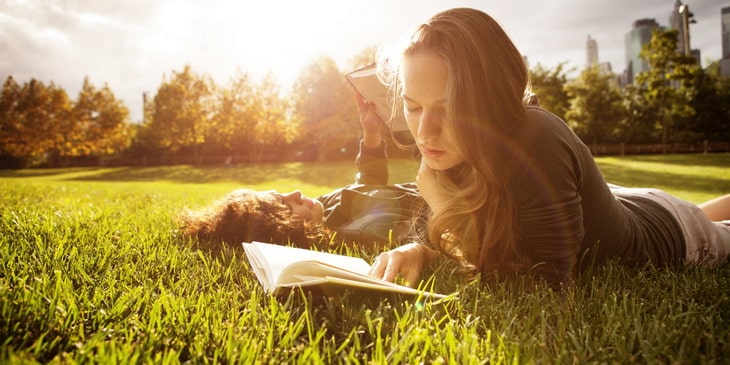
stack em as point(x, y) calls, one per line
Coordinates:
point(429, 126)
point(294, 196)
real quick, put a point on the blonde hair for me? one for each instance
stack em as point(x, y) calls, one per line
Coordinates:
point(474, 219)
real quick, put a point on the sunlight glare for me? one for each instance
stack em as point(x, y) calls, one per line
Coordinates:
point(285, 35)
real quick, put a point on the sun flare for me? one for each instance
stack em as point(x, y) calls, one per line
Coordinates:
point(281, 38)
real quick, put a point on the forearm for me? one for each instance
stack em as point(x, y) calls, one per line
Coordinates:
point(371, 140)
point(717, 209)
point(372, 164)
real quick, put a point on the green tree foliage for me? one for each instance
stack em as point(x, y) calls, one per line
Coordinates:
point(549, 86)
point(235, 114)
point(366, 57)
point(711, 103)
point(638, 126)
point(98, 124)
point(182, 111)
point(323, 102)
point(273, 127)
point(668, 85)
point(30, 120)
point(595, 106)
point(191, 116)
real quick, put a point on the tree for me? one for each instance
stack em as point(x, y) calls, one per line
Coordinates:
point(667, 85)
point(9, 100)
point(183, 107)
point(29, 120)
point(638, 125)
point(595, 106)
point(234, 120)
point(272, 112)
point(711, 103)
point(365, 57)
point(98, 125)
point(549, 86)
point(323, 103)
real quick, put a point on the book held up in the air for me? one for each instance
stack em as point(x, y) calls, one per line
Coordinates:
point(281, 268)
point(367, 84)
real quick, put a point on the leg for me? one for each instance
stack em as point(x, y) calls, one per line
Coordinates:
point(717, 209)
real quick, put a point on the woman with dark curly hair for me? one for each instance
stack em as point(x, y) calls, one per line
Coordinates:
point(368, 212)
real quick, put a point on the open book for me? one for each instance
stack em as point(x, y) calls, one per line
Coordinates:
point(282, 267)
point(367, 84)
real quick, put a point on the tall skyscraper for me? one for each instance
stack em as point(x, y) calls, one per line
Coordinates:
point(725, 61)
point(591, 52)
point(635, 40)
point(725, 20)
point(680, 19)
point(676, 21)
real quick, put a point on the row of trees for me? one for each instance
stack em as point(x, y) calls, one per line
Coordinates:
point(675, 101)
point(37, 121)
point(192, 116)
point(191, 119)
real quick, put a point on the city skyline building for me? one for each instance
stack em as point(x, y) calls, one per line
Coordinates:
point(725, 26)
point(680, 19)
point(677, 21)
point(592, 57)
point(725, 29)
point(591, 52)
point(635, 39)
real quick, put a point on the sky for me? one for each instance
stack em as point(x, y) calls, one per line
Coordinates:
point(131, 45)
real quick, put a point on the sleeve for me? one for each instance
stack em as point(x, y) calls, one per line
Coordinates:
point(372, 165)
point(550, 215)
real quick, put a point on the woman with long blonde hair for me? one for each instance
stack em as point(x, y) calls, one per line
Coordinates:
point(512, 190)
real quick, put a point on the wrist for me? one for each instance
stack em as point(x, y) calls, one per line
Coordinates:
point(371, 140)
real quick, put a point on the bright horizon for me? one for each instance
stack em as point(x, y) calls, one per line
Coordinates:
point(131, 45)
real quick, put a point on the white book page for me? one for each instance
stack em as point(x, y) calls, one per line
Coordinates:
point(260, 266)
point(282, 266)
point(391, 289)
point(309, 271)
point(272, 260)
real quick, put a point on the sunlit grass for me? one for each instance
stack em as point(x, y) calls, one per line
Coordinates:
point(93, 270)
point(696, 178)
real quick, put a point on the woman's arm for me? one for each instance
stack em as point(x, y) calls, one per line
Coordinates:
point(408, 260)
point(717, 209)
point(372, 161)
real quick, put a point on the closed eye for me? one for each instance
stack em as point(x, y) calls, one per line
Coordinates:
point(280, 200)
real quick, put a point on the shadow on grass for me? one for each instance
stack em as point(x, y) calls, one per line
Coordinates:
point(335, 174)
point(705, 160)
point(620, 175)
point(325, 174)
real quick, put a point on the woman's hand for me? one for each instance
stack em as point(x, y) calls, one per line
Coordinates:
point(372, 125)
point(407, 260)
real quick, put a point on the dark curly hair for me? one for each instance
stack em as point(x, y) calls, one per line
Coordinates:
point(247, 215)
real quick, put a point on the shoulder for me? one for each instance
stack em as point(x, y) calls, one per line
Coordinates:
point(551, 156)
point(541, 120)
point(544, 133)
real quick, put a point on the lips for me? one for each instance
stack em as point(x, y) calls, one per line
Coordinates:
point(430, 151)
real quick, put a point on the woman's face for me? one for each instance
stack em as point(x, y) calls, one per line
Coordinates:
point(425, 104)
point(300, 206)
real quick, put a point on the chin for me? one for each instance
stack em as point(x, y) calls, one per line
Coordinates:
point(317, 212)
point(440, 165)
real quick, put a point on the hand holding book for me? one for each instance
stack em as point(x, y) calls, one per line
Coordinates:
point(366, 83)
point(372, 125)
point(282, 267)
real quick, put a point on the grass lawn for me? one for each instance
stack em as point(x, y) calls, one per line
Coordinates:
point(93, 270)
